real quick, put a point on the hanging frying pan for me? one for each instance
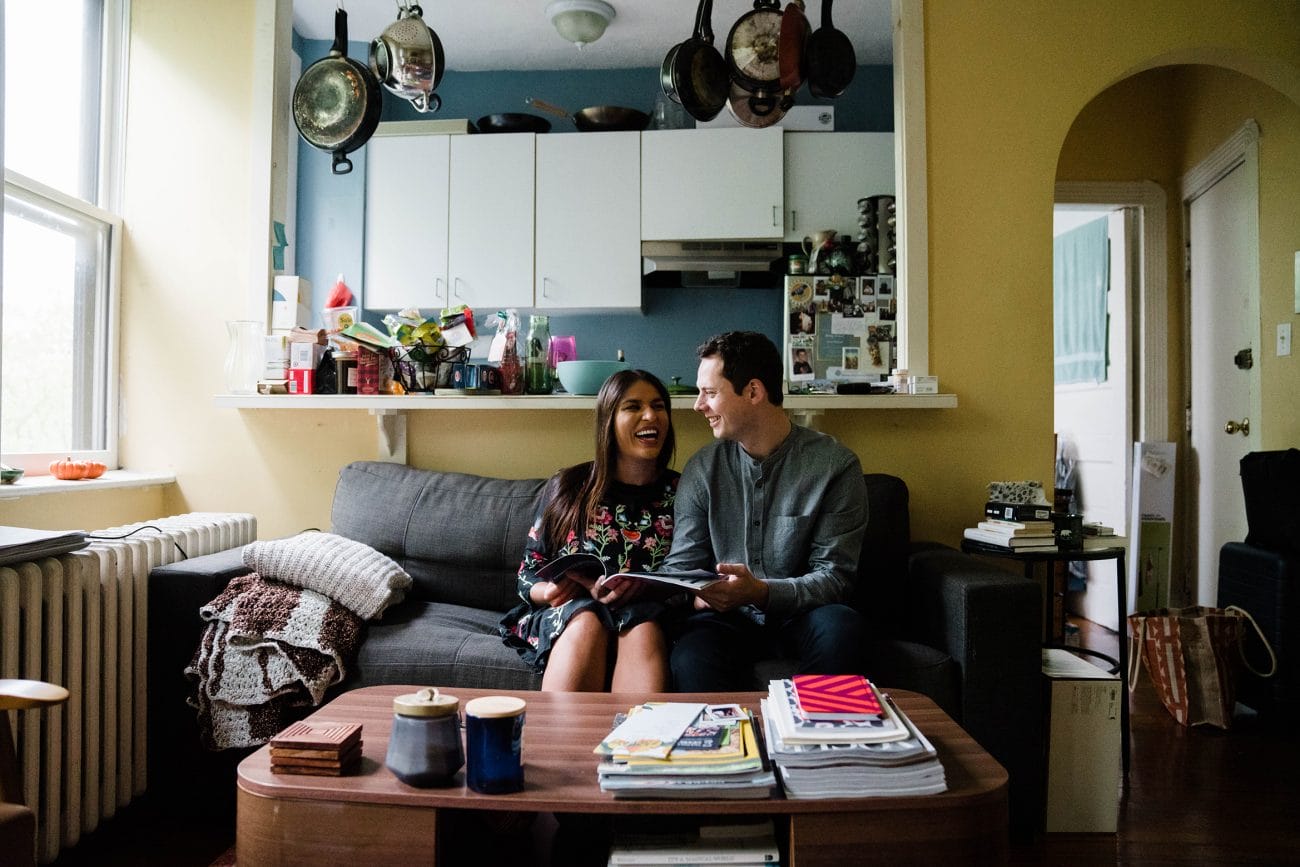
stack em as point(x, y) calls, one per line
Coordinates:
point(790, 51)
point(694, 73)
point(831, 61)
point(512, 121)
point(337, 100)
point(753, 47)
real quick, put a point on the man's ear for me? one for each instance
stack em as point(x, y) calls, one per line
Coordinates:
point(755, 392)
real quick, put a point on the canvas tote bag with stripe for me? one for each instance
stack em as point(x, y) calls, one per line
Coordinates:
point(1192, 656)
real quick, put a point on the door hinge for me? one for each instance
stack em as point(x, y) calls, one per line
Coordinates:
point(1187, 418)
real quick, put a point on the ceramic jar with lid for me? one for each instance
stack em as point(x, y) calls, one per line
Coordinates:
point(494, 737)
point(424, 749)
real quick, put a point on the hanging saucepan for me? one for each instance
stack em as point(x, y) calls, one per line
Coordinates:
point(694, 73)
point(753, 47)
point(512, 122)
point(756, 110)
point(831, 61)
point(407, 59)
point(598, 118)
point(337, 100)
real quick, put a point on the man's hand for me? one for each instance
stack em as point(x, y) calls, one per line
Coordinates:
point(739, 587)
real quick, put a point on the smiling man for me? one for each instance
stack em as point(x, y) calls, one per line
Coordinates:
point(777, 508)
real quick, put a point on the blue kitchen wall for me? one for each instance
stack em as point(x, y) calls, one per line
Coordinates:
point(662, 336)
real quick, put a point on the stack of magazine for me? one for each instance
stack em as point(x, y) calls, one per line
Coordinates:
point(837, 736)
point(684, 750)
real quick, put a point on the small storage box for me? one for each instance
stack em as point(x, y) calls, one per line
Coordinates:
point(1082, 703)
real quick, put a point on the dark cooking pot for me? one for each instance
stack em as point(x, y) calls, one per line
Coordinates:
point(512, 122)
point(599, 118)
point(337, 101)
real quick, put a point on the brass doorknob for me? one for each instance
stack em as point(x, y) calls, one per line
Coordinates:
point(1232, 427)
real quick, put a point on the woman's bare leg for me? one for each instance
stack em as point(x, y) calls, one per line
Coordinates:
point(577, 661)
point(642, 661)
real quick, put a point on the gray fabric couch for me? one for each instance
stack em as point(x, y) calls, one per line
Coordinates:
point(963, 632)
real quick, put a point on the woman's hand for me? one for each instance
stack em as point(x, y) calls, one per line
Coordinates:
point(558, 592)
point(615, 590)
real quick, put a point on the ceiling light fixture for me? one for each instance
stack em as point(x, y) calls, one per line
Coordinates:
point(580, 21)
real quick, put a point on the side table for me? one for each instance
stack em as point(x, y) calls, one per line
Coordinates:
point(1114, 552)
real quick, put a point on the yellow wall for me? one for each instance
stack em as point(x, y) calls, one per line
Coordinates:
point(1004, 83)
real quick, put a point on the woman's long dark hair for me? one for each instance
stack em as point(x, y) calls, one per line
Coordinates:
point(576, 490)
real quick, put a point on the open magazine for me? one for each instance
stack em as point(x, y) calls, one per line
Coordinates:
point(590, 564)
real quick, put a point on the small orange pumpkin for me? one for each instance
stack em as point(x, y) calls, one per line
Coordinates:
point(70, 470)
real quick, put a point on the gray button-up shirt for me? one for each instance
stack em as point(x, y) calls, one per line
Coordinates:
point(796, 518)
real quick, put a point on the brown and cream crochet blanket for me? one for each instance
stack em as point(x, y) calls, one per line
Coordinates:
point(268, 648)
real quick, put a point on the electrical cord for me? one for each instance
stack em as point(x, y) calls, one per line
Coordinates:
point(184, 556)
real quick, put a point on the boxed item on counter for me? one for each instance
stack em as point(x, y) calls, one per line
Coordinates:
point(302, 381)
point(304, 355)
point(290, 302)
point(923, 384)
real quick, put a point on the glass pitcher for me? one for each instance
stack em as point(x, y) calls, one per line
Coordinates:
point(244, 356)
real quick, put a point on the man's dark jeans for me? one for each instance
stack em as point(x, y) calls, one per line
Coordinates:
point(715, 652)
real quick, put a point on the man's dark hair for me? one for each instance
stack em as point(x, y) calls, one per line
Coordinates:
point(747, 355)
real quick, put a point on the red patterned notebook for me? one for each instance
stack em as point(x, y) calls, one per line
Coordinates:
point(836, 696)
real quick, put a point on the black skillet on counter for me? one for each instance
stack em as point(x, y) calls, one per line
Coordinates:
point(337, 100)
point(694, 73)
point(512, 121)
point(831, 61)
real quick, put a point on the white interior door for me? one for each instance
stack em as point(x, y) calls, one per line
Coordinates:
point(1224, 268)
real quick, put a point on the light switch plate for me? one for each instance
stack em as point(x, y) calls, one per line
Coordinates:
point(1283, 339)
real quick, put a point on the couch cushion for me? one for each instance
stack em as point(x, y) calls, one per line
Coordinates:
point(459, 536)
point(435, 644)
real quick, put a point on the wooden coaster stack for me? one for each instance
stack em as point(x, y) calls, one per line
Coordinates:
point(322, 749)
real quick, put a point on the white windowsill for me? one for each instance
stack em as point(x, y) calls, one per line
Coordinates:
point(33, 486)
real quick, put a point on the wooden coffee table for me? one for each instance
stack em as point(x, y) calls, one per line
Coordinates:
point(371, 817)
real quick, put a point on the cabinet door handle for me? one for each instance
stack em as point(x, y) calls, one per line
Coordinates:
point(455, 287)
point(794, 220)
point(774, 222)
point(545, 294)
point(437, 281)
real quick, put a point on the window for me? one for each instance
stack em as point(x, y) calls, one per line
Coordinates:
point(58, 299)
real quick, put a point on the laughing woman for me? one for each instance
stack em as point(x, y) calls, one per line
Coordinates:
point(620, 508)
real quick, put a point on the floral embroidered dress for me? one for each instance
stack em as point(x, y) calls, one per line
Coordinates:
point(631, 531)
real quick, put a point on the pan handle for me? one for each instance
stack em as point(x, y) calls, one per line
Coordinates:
point(549, 109)
point(340, 165)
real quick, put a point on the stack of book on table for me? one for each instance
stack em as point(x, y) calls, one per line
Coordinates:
point(837, 736)
point(752, 843)
point(323, 749)
point(1015, 527)
point(684, 750)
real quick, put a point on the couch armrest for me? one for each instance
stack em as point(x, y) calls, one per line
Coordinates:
point(989, 621)
point(176, 592)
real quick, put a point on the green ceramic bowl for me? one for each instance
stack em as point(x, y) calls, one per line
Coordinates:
point(586, 377)
point(9, 475)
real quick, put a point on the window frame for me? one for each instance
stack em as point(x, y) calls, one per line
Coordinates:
point(109, 136)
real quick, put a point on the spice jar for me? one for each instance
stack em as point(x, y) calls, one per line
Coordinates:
point(345, 371)
point(424, 748)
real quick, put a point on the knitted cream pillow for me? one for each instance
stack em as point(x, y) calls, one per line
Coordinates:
point(353, 574)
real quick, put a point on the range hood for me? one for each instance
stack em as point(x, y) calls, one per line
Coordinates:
point(708, 256)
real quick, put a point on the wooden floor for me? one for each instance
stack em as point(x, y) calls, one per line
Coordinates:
point(1193, 796)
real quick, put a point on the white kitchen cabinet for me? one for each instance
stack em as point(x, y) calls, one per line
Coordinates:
point(827, 172)
point(711, 184)
point(490, 220)
point(588, 221)
point(405, 246)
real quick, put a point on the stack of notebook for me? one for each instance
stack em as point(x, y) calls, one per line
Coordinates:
point(836, 736)
point(322, 749)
